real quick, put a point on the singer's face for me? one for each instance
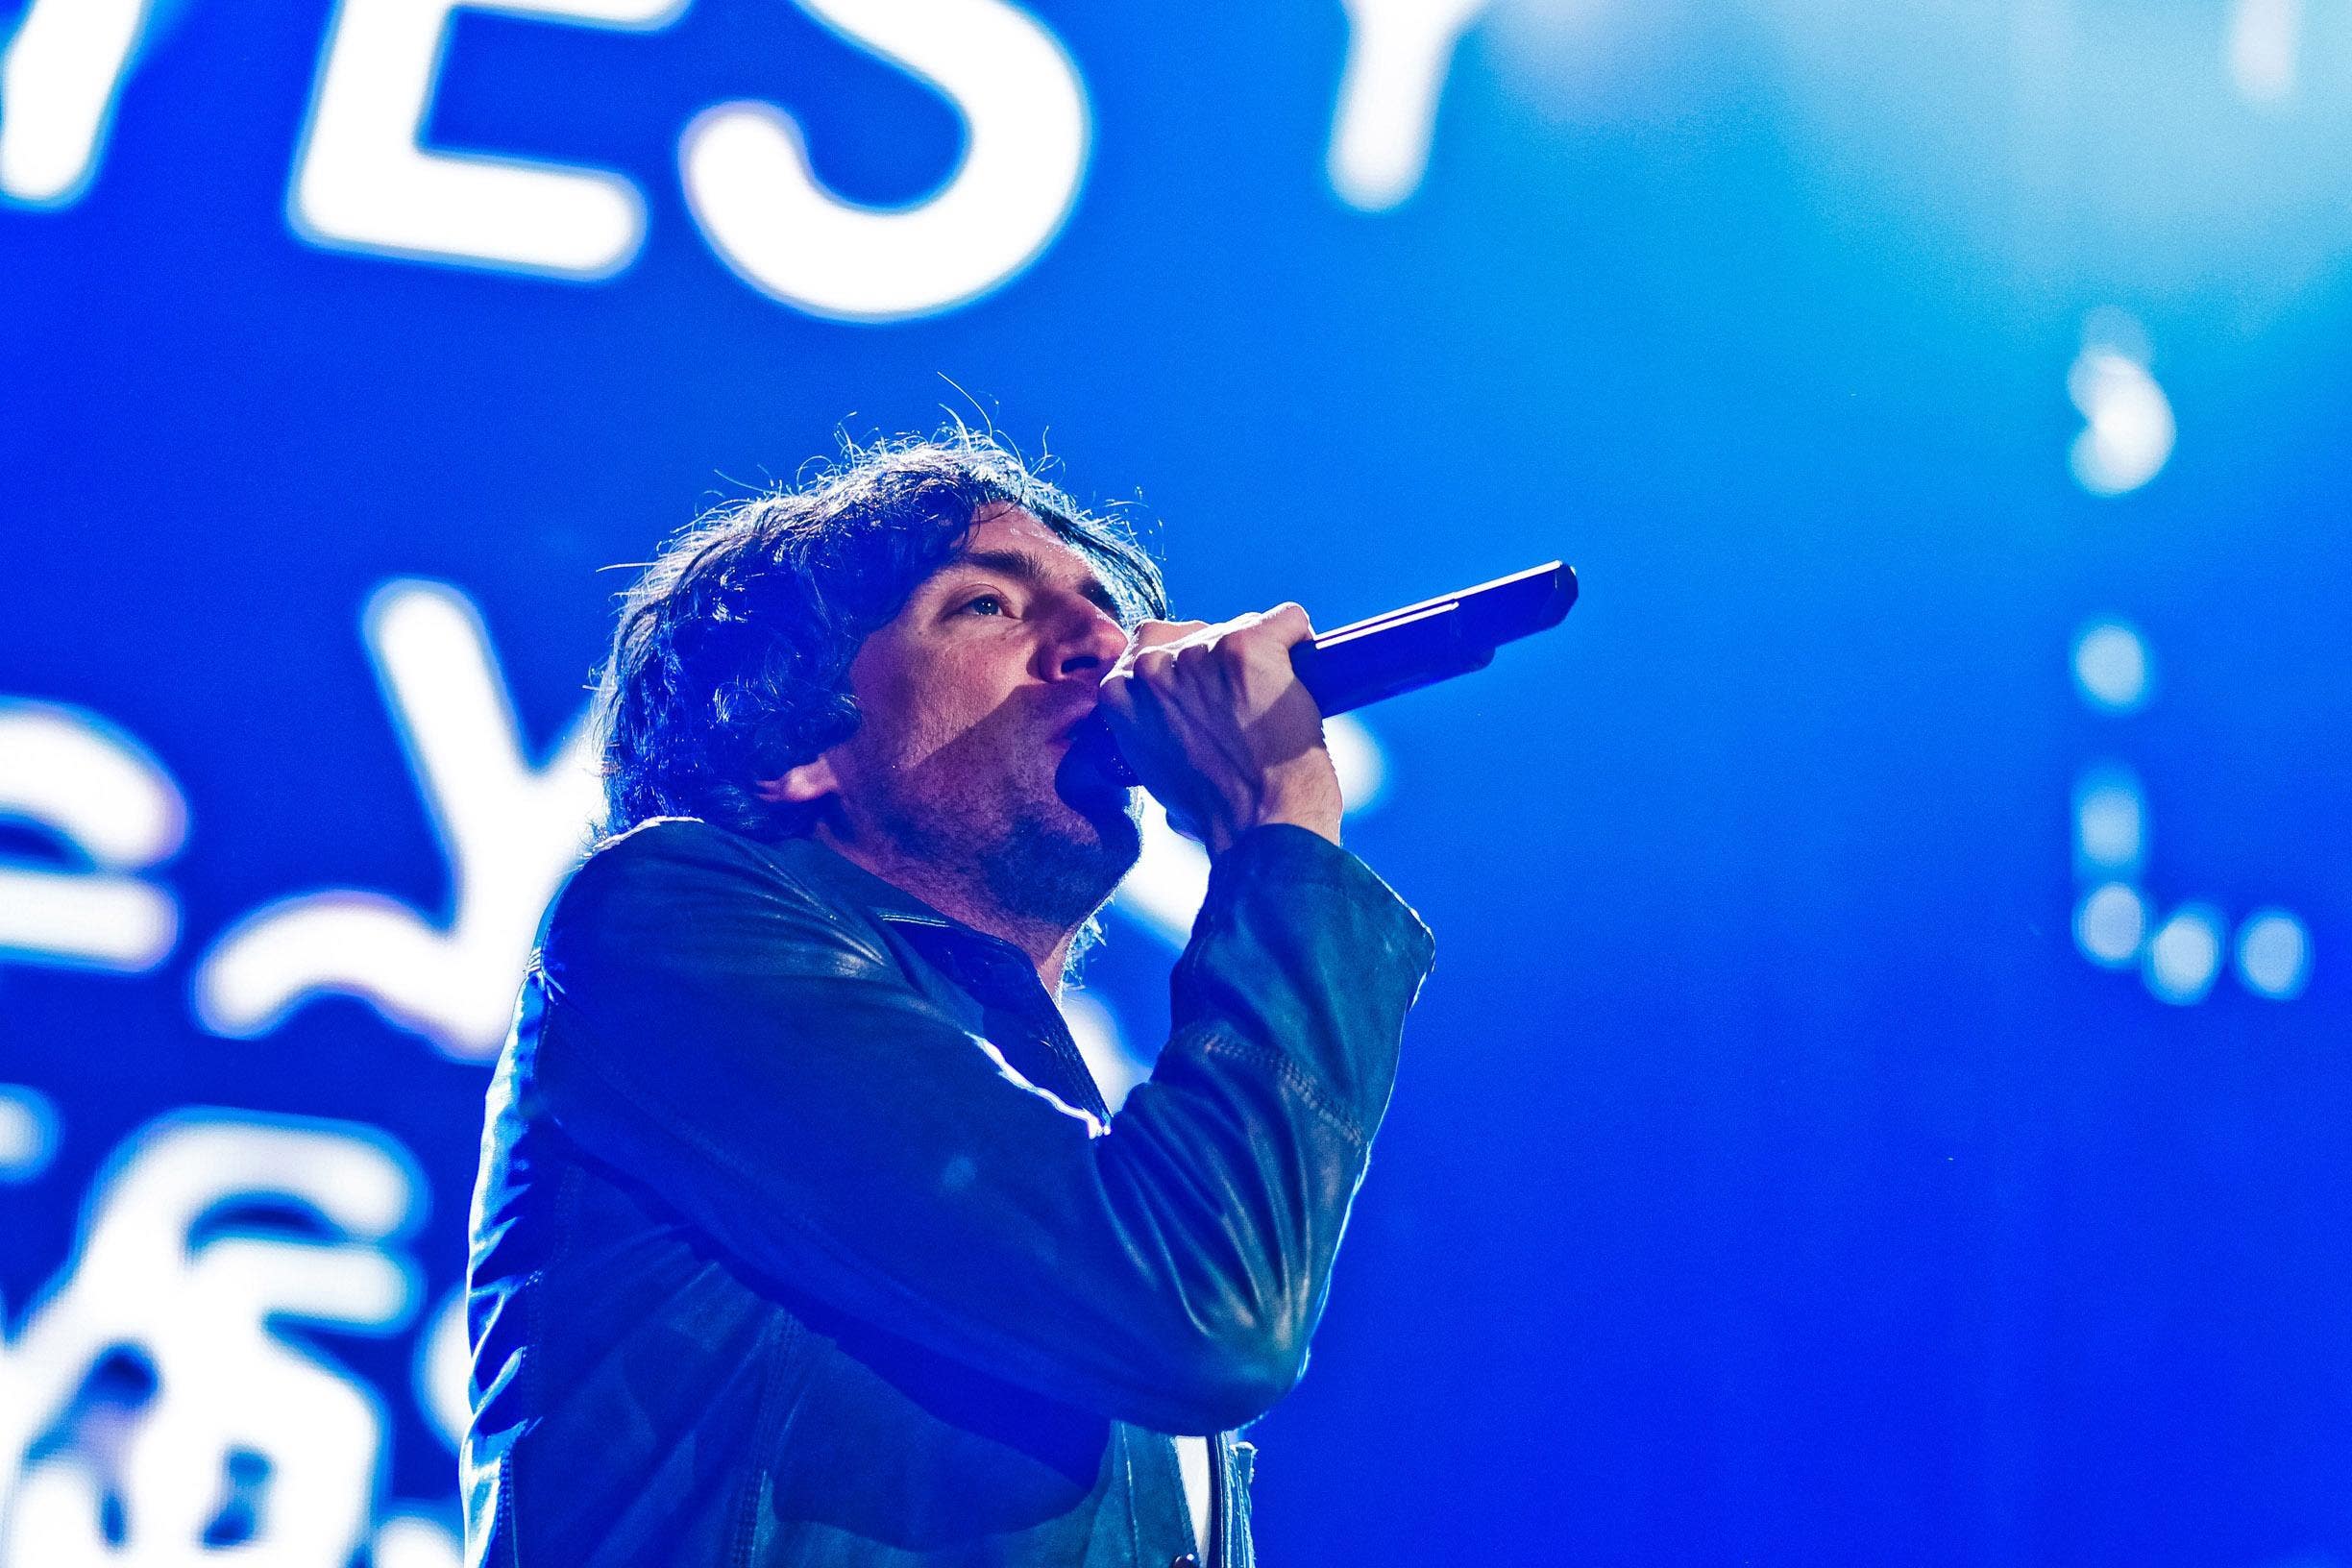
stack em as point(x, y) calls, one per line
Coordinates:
point(966, 753)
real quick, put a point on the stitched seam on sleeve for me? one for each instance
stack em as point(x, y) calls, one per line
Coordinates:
point(1295, 1077)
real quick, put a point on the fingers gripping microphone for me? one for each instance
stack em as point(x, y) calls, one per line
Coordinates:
point(1423, 643)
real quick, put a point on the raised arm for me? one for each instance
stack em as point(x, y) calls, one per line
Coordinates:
point(717, 1035)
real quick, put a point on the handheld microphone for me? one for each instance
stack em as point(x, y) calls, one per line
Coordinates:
point(1420, 645)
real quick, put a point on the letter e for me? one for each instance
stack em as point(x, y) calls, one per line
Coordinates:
point(364, 181)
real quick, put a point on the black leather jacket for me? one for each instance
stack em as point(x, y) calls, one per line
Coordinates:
point(803, 1237)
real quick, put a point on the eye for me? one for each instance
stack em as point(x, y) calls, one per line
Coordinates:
point(986, 604)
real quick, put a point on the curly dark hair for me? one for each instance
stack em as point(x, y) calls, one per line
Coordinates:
point(731, 661)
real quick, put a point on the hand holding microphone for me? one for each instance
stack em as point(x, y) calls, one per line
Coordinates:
point(1212, 776)
point(1214, 721)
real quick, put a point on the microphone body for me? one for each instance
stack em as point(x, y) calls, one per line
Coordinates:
point(1418, 646)
point(1437, 639)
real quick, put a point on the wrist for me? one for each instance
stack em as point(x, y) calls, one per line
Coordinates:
point(1323, 824)
point(1317, 811)
point(1305, 795)
point(1217, 844)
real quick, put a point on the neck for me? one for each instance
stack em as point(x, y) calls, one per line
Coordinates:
point(960, 894)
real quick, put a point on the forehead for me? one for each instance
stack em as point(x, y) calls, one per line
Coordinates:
point(1004, 537)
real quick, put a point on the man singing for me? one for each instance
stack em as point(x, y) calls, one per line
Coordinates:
point(803, 1236)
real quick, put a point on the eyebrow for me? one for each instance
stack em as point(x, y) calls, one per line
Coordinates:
point(1023, 566)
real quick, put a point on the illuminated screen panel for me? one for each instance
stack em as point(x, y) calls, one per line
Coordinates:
point(1877, 1100)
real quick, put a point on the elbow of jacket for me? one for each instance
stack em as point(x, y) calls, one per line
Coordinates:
point(1238, 1376)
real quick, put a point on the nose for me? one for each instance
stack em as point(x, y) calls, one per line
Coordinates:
point(1088, 643)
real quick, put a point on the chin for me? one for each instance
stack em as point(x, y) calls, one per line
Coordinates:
point(1067, 853)
point(1120, 833)
point(1104, 821)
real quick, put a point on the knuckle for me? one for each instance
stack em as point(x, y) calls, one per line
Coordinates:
point(1150, 634)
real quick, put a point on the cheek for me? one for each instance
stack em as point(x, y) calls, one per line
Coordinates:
point(913, 700)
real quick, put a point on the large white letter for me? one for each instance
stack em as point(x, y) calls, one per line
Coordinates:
point(1024, 111)
point(114, 805)
point(364, 181)
point(210, 1310)
point(511, 831)
point(1398, 55)
point(64, 68)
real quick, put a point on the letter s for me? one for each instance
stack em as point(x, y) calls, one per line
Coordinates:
point(749, 182)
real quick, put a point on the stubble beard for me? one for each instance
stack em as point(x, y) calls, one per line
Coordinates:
point(1057, 867)
point(1050, 855)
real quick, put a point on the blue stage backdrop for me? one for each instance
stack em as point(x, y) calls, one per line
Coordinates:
point(1883, 1093)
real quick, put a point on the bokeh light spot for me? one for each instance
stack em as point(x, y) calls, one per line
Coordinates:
point(2128, 427)
point(2184, 956)
point(2112, 667)
point(2109, 823)
point(27, 1132)
point(2274, 955)
point(2109, 925)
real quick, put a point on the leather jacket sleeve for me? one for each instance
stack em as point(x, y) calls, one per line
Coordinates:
point(725, 1038)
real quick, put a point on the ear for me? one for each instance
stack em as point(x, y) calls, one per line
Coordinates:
point(800, 785)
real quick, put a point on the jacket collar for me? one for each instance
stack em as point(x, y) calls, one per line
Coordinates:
point(829, 872)
point(989, 966)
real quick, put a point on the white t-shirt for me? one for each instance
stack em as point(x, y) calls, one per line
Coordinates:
point(1192, 1459)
